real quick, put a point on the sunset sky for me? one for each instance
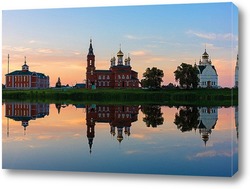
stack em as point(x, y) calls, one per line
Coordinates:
point(56, 41)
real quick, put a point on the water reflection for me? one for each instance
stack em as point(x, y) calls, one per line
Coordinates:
point(192, 118)
point(118, 117)
point(24, 112)
point(166, 134)
point(153, 115)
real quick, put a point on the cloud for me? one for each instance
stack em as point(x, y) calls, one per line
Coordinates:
point(16, 49)
point(32, 41)
point(214, 36)
point(213, 153)
point(138, 53)
point(132, 37)
point(46, 51)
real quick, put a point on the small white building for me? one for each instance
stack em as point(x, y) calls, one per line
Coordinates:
point(236, 83)
point(207, 73)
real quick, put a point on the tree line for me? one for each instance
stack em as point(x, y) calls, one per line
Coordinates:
point(185, 74)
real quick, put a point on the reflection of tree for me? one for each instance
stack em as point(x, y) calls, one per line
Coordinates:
point(187, 118)
point(153, 115)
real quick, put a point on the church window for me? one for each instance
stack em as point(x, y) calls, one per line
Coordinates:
point(99, 77)
point(103, 77)
point(127, 77)
point(119, 77)
point(99, 115)
point(123, 77)
point(107, 114)
point(108, 77)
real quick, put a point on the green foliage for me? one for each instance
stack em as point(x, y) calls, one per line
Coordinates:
point(152, 78)
point(199, 97)
point(187, 76)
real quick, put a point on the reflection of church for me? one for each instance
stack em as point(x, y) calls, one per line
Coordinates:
point(24, 112)
point(118, 117)
point(207, 121)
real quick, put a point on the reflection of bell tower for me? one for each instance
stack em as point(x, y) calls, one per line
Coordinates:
point(90, 132)
point(90, 122)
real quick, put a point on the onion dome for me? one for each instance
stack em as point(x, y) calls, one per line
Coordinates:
point(120, 53)
point(205, 55)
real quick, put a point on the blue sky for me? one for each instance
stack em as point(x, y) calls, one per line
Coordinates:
point(163, 36)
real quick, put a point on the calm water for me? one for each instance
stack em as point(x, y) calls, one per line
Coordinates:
point(121, 139)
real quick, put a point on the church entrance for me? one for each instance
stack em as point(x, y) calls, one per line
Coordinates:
point(209, 84)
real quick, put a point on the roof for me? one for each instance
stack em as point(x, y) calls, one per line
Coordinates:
point(106, 71)
point(202, 67)
point(80, 85)
point(20, 72)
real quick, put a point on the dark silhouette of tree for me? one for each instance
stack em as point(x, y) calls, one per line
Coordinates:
point(153, 115)
point(187, 76)
point(152, 78)
point(187, 118)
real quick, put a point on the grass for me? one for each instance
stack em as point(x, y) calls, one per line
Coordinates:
point(198, 97)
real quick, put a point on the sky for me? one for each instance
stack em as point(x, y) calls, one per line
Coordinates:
point(56, 41)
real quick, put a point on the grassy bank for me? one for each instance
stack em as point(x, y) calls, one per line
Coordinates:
point(199, 97)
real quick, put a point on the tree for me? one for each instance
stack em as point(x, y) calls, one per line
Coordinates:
point(152, 78)
point(187, 76)
point(153, 115)
point(187, 118)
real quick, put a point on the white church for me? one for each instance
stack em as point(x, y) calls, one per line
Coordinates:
point(207, 72)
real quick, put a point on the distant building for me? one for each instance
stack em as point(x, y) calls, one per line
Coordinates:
point(58, 83)
point(80, 85)
point(119, 75)
point(236, 84)
point(207, 73)
point(25, 79)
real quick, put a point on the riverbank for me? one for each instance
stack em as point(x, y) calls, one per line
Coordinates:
point(197, 97)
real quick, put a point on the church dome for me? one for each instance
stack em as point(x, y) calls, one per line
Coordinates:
point(205, 54)
point(120, 53)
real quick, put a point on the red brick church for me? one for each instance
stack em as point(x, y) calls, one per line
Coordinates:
point(119, 75)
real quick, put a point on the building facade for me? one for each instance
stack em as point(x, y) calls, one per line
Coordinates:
point(207, 73)
point(25, 79)
point(119, 75)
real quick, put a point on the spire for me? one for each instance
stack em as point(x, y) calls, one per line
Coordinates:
point(25, 67)
point(90, 48)
point(8, 63)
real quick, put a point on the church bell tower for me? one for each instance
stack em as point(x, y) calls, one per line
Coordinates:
point(90, 66)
